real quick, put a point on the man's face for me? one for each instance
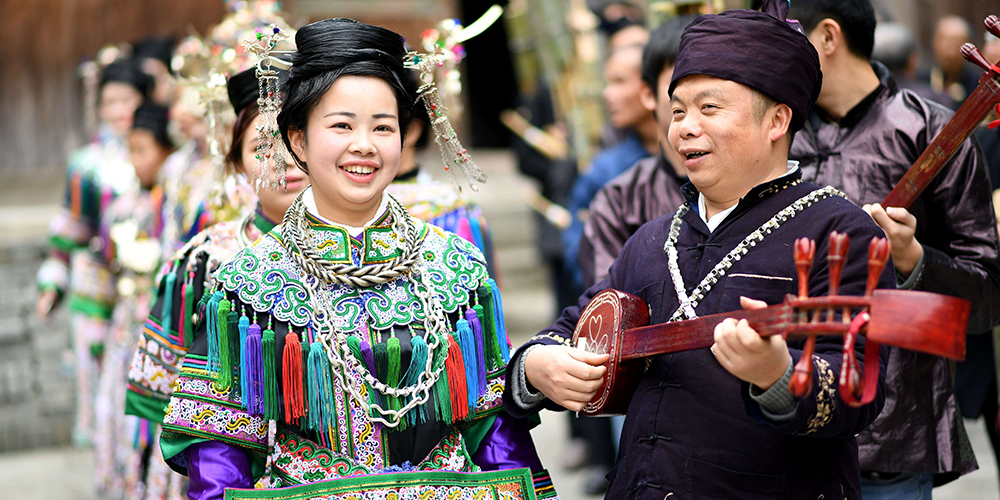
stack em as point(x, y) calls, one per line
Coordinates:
point(949, 36)
point(623, 74)
point(714, 129)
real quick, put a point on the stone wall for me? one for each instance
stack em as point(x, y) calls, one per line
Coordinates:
point(36, 384)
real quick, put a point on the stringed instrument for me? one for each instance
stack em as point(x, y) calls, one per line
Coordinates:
point(985, 96)
point(614, 323)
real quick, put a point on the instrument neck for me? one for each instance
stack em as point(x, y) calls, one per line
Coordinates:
point(699, 333)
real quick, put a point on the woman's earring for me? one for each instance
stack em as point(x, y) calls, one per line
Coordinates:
point(270, 147)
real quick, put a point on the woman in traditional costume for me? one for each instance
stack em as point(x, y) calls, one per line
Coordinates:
point(123, 464)
point(77, 266)
point(168, 332)
point(353, 350)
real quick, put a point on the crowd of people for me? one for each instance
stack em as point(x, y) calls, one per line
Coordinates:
point(269, 297)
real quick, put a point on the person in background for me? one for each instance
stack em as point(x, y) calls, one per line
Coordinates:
point(76, 271)
point(861, 137)
point(951, 74)
point(651, 187)
point(896, 48)
point(166, 335)
point(127, 464)
point(154, 55)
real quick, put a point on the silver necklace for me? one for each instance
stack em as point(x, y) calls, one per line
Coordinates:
point(688, 303)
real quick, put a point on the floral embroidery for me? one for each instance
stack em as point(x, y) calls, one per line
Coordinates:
point(825, 397)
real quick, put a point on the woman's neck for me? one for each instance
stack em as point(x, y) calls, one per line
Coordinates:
point(354, 216)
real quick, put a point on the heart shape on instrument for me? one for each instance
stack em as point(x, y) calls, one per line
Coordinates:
point(600, 340)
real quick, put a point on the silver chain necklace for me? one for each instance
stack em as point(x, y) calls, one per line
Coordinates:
point(687, 304)
point(295, 229)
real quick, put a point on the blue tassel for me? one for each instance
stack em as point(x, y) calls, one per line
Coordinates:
point(477, 231)
point(498, 321)
point(467, 343)
point(212, 311)
point(255, 370)
point(480, 360)
point(418, 361)
point(320, 389)
point(244, 327)
point(168, 304)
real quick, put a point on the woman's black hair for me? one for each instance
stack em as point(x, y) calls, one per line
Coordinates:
point(127, 71)
point(153, 118)
point(329, 49)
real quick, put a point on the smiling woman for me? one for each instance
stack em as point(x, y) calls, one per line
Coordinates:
point(353, 349)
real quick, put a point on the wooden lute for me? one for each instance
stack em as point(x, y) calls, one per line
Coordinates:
point(985, 96)
point(615, 323)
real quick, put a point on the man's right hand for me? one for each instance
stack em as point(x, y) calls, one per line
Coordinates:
point(46, 301)
point(569, 377)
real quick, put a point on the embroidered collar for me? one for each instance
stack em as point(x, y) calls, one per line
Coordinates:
point(310, 202)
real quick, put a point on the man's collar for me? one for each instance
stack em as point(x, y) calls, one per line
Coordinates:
point(761, 191)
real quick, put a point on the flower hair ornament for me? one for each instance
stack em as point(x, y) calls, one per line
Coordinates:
point(444, 48)
point(270, 147)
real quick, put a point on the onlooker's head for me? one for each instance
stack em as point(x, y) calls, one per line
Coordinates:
point(123, 87)
point(660, 54)
point(148, 143)
point(853, 21)
point(950, 33)
point(623, 84)
point(895, 47)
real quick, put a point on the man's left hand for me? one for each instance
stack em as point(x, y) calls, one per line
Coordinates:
point(899, 226)
point(742, 351)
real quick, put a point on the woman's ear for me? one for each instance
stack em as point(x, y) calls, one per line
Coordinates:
point(413, 132)
point(297, 138)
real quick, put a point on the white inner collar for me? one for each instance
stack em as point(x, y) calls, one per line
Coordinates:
point(714, 221)
point(310, 202)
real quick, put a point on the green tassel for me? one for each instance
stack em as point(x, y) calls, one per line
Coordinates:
point(442, 394)
point(354, 344)
point(270, 376)
point(418, 362)
point(394, 353)
point(494, 355)
point(381, 368)
point(213, 322)
point(189, 314)
point(227, 330)
point(167, 311)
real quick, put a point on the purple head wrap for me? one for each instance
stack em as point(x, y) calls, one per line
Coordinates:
point(762, 50)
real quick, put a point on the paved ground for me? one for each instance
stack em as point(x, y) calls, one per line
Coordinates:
point(65, 473)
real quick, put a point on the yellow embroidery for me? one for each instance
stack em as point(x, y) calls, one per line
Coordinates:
point(825, 397)
point(548, 335)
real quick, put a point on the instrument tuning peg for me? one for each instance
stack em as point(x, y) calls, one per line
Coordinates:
point(878, 255)
point(972, 54)
point(993, 25)
point(836, 255)
point(805, 252)
point(801, 382)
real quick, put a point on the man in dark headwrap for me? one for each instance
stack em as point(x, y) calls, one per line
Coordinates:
point(720, 422)
point(863, 135)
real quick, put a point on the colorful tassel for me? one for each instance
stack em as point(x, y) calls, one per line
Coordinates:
point(474, 317)
point(255, 370)
point(395, 359)
point(320, 389)
point(494, 353)
point(501, 325)
point(442, 393)
point(418, 362)
point(270, 376)
point(244, 327)
point(168, 304)
point(212, 313)
point(368, 353)
point(228, 330)
point(464, 231)
point(354, 344)
point(291, 368)
point(455, 367)
point(381, 366)
point(467, 345)
point(184, 325)
point(199, 313)
point(477, 232)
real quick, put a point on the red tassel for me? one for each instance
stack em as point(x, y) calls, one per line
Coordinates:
point(291, 368)
point(455, 366)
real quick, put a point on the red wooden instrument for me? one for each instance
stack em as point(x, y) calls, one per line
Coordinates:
point(956, 131)
point(615, 322)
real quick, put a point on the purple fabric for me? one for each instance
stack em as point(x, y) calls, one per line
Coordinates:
point(722, 45)
point(214, 466)
point(507, 445)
